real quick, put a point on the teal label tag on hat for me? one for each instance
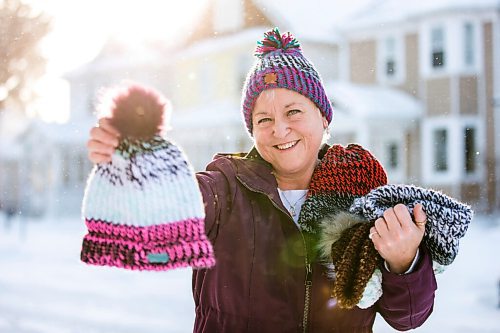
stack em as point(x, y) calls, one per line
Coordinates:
point(158, 258)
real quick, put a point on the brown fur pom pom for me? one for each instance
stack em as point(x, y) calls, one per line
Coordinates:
point(344, 242)
point(136, 111)
point(332, 227)
point(355, 259)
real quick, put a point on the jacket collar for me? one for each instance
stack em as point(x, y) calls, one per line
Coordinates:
point(254, 154)
point(257, 175)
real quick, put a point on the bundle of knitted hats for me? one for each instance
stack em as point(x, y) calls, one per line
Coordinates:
point(144, 209)
point(342, 175)
point(348, 192)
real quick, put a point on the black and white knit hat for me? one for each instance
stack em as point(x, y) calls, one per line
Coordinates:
point(447, 219)
point(447, 222)
point(144, 209)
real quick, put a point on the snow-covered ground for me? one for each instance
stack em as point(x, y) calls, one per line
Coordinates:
point(45, 288)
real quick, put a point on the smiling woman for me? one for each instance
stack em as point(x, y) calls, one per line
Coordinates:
point(262, 210)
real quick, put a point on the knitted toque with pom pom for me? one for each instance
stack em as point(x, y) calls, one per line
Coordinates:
point(144, 210)
point(342, 175)
point(281, 64)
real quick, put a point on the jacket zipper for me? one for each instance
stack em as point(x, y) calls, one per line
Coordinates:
point(307, 301)
point(308, 280)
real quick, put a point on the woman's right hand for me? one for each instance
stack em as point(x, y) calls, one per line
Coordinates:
point(104, 139)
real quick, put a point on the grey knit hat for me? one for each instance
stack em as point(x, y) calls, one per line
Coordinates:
point(350, 256)
point(447, 219)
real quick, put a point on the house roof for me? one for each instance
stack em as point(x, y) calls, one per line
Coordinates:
point(312, 20)
point(373, 102)
point(208, 27)
point(118, 54)
point(214, 45)
point(379, 12)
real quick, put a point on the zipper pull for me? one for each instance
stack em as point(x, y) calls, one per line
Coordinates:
point(308, 275)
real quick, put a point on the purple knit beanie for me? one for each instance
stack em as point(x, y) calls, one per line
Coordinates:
point(281, 64)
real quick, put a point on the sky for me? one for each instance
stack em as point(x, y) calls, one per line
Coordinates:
point(80, 29)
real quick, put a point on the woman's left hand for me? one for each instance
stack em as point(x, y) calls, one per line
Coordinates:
point(397, 237)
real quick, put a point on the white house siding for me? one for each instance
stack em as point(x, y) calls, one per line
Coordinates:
point(456, 96)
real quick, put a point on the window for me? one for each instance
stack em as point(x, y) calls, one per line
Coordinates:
point(390, 57)
point(470, 150)
point(66, 168)
point(393, 154)
point(440, 140)
point(469, 44)
point(438, 52)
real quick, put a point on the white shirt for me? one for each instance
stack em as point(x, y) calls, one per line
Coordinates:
point(293, 201)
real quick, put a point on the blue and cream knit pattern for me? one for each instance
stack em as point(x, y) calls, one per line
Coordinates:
point(145, 184)
point(447, 219)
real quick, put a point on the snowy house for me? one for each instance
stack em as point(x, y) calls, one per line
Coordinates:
point(10, 161)
point(414, 83)
point(26, 157)
point(43, 167)
point(69, 166)
point(445, 54)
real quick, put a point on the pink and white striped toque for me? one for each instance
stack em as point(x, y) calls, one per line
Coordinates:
point(144, 209)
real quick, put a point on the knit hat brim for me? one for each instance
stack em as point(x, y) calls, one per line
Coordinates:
point(159, 247)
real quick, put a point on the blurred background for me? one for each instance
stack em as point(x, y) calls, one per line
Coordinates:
point(416, 82)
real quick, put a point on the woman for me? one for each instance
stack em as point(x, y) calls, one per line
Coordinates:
point(267, 278)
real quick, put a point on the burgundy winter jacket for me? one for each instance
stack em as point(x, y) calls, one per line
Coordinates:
point(258, 282)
